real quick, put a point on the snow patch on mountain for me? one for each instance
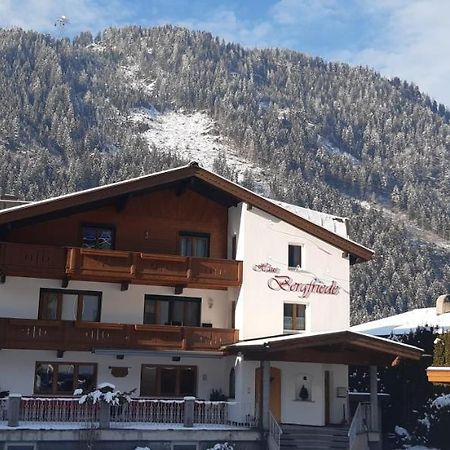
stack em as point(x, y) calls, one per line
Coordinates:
point(194, 137)
point(326, 145)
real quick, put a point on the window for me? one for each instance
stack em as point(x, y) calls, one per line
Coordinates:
point(194, 244)
point(294, 317)
point(58, 304)
point(295, 256)
point(168, 381)
point(97, 236)
point(53, 378)
point(167, 310)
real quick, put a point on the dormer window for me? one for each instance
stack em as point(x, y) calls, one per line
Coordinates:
point(194, 244)
point(97, 236)
point(294, 256)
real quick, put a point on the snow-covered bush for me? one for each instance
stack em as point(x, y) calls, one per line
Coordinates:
point(105, 392)
point(224, 446)
point(432, 425)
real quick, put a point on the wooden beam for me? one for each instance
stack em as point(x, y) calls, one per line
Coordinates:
point(178, 289)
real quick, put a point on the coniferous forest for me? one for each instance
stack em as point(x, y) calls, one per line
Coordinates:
point(331, 137)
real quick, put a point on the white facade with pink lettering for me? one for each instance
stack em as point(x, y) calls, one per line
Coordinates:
point(293, 283)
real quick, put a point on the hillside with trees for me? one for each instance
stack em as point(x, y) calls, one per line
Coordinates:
point(328, 136)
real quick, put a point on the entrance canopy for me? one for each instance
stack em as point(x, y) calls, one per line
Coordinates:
point(334, 347)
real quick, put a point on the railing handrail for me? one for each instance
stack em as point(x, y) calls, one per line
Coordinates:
point(359, 423)
point(275, 431)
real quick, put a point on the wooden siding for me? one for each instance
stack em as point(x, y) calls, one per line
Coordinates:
point(147, 223)
point(85, 336)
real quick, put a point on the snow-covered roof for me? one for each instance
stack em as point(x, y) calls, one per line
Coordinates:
point(291, 338)
point(405, 322)
point(331, 222)
point(323, 226)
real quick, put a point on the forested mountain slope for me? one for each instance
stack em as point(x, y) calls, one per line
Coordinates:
point(318, 134)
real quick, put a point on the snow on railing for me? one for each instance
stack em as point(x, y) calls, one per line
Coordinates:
point(359, 428)
point(211, 412)
point(3, 409)
point(41, 409)
point(146, 410)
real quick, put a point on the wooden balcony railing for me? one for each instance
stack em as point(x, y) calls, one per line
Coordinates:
point(85, 336)
point(32, 260)
point(118, 266)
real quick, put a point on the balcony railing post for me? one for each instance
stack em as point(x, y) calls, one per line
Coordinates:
point(189, 404)
point(104, 417)
point(14, 401)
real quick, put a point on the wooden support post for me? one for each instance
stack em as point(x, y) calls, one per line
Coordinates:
point(189, 403)
point(14, 401)
point(265, 394)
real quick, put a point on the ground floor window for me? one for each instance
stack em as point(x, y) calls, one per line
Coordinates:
point(294, 317)
point(168, 310)
point(168, 381)
point(52, 378)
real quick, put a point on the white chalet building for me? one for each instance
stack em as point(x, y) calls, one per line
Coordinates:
point(177, 284)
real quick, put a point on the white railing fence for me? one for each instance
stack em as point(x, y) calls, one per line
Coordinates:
point(275, 433)
point(210, 412)
point(160, 411)
point(358, 433)
point(150, 411)
point(37, 409)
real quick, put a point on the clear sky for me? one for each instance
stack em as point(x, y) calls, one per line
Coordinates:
point(405, 38)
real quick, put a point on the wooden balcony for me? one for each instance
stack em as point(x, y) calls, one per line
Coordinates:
point(118, 266)
point(87, 336)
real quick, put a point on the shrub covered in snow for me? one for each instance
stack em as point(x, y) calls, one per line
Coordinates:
point(432, 425)
point(105, 392)
point(224, 446)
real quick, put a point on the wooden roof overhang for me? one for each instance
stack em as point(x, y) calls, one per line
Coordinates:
point(191, 177)
point(336, 347)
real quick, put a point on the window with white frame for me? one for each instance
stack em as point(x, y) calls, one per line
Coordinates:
point(294, 256)
point(294, 317)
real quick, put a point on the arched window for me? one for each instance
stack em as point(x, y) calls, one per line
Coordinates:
point(232, 384)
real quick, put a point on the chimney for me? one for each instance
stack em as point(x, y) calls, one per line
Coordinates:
point(443, 304)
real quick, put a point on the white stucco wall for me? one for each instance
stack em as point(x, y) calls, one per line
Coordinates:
point(266, 240)
point(19, 298)
point(18, 367)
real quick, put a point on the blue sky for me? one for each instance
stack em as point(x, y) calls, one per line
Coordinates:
point(405, 38)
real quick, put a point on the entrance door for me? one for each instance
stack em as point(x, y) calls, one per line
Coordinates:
point(327, 396)
point(275, 392)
